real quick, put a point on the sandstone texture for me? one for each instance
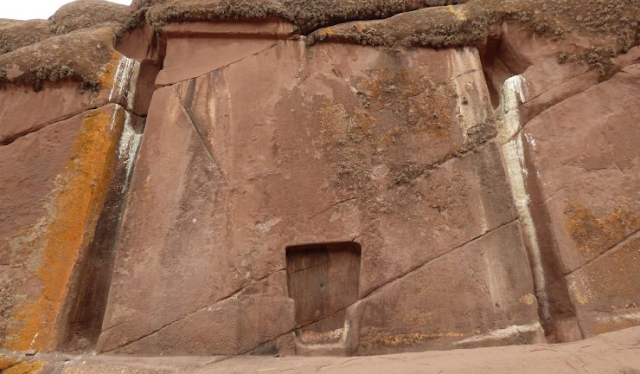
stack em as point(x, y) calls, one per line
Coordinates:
point(284, 177)
point(611, 353)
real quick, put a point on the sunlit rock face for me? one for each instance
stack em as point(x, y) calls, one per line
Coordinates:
point(202, 186)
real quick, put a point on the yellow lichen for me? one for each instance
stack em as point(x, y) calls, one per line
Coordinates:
point(25, 368)
point(81, 192)
point(6, 363)
point(527, 299)
point(406, 339)
point(108, 78)
point(328, 31)
point(457, 12)
point(594, 235)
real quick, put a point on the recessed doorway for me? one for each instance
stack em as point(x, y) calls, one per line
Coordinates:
point(323, 280)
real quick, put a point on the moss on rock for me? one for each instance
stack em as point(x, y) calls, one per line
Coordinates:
point(84, 14)
point(29, 53)
point(612, 28)
point(79, 56)
point(306, 15)
point(18, 34)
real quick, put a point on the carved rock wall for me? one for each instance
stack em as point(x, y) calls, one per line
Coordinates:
point(492, 194)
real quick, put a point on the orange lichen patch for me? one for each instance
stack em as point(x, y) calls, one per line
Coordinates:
point(6, 363)
point(25, 368)
point(336, 118)
point(406, 339)
point(595, 235)
point(327, 32)
point(528, 299)
point(108, 77)
point(17, 366)
point(81, 192)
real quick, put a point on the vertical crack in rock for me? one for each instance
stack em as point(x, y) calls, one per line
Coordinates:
point(128, 149)
point(513, 93)
point(551, 290)
point(81, 320)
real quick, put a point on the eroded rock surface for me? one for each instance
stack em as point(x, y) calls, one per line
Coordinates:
point(326, 178)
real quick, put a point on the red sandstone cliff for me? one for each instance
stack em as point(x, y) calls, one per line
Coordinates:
point(209, 177)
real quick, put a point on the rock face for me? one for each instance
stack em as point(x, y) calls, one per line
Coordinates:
point(329, 198)
point(59, 164)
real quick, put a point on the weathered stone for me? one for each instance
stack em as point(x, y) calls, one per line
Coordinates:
point(377, 174)
point(40, 246)
point(239, 325)
point(606, 290)
point(615, 352)
point(59, 101)
point(478, 294)
point(584, 154)
point(380, 191)
point(82, 14)
point(191, 53)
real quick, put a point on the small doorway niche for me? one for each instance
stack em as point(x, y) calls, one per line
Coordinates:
point(323, 279)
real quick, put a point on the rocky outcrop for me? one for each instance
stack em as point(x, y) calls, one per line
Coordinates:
point(315, 179)
point(58, 165)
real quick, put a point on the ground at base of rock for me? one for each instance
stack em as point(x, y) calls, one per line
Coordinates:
point(613, 353)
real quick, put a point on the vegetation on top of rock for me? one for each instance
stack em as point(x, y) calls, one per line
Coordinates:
point(18, 34)
point(79, 56)
point(605, 28)
point(306, 15)
point(83, 14)
point(611, 28)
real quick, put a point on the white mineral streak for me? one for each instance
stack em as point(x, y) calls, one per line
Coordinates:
point(503, 333)
point(124, 80)
point(124, 83)
point(471, 89)
point(133, 83)
point(114, 118)
point(116, 76)
point(128, 148)
point(633, 317)
point(513, 93)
